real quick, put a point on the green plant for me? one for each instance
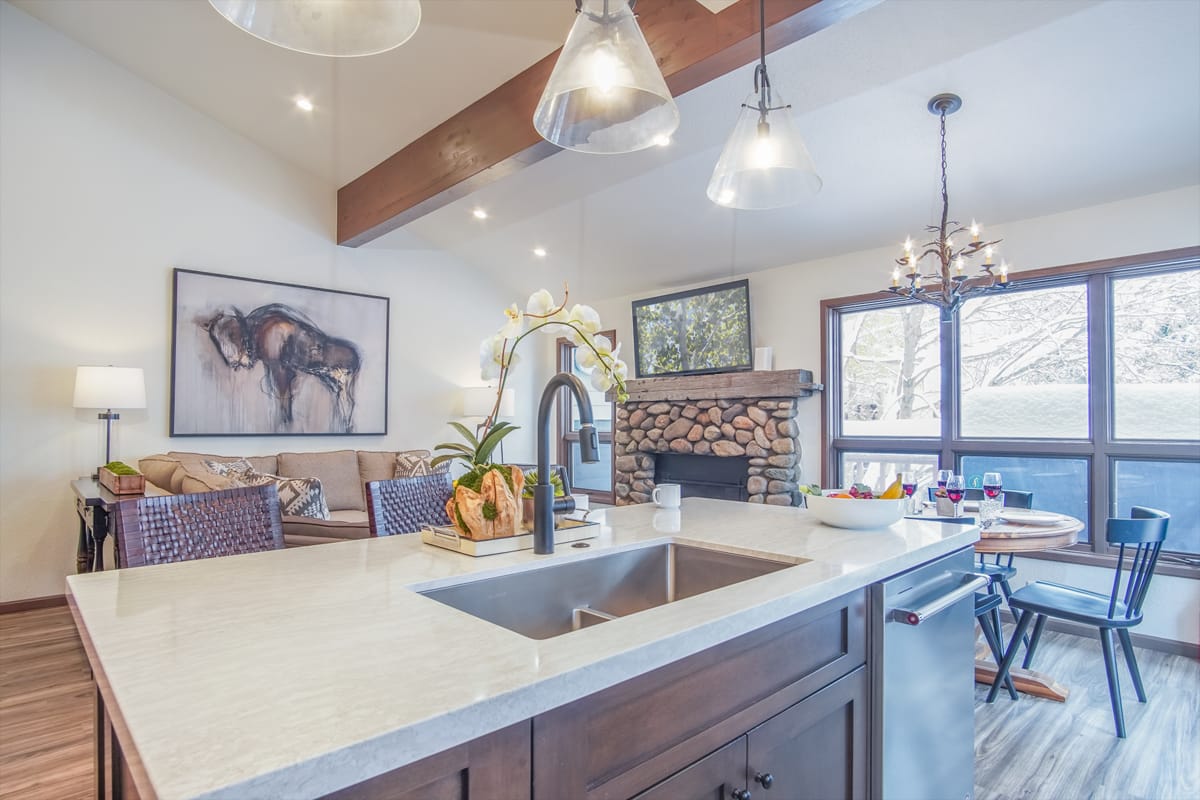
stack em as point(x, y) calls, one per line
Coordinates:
point(474, 451)
point(531, 479)
point(120, 468)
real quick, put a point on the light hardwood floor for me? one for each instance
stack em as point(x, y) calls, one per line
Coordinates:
point(1037, 748)
point(1029, 749)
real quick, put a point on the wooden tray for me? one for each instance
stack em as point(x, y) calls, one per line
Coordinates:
point(121, 484)
point(567, 530)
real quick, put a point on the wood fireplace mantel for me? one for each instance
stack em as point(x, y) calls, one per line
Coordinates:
point(724, 386)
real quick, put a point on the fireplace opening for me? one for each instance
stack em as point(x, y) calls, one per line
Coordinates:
point(704, 476)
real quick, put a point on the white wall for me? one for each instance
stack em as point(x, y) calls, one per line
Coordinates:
point(785, 309)
point(106, 184)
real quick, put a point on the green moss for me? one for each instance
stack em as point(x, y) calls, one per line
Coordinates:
point(490, 512)
point(120, 468)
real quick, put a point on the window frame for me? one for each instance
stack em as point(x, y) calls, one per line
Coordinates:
point(1101, 449)
point(564, 350)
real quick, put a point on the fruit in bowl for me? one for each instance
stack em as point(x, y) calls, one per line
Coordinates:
point(856, 508)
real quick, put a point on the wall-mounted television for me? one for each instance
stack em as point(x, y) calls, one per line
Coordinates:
point(695, 332)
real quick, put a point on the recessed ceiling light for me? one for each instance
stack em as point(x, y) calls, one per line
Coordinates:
point(540, 252)
point(480, 213)
point(662, 140)
point(303, 103)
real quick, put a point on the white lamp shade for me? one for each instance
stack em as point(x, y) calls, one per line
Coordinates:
point(763, 168)
point(478, 401)
point(326, 27)
point(606, 93)
point(110, 387)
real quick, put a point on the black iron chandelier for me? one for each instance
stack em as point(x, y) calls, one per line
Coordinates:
point(948, 285)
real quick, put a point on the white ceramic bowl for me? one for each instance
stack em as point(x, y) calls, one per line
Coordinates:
point(850, 512)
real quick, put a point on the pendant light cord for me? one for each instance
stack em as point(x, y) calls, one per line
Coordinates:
point(762, 84)
point(945, 192)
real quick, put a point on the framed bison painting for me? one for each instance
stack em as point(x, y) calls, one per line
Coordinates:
point(258, 358)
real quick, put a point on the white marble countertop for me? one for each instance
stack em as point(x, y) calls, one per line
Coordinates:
point(298, 672)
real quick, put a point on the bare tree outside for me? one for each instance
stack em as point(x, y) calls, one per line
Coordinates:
point(709, 331)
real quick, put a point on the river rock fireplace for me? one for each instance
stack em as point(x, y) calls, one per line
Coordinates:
point(746, 417)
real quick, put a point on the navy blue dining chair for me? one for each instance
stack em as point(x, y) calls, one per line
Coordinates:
point(1141, 537)
point(1001, 572)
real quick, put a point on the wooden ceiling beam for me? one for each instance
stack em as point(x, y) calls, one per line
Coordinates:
point(494, 136)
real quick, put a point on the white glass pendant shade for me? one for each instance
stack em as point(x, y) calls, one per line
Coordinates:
point(326, 27)
point(763, 165)
point(606, 93)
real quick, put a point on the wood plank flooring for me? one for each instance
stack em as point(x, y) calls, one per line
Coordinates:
point(46, 708)
point(1029, 749)
point(1037, 748)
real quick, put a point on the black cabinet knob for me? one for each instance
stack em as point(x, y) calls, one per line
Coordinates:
point(740, 794)
point(766, 780)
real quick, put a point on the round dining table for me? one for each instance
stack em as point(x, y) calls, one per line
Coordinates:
point(1010, 536)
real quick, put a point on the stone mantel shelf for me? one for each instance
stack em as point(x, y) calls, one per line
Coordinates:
point(724, 386)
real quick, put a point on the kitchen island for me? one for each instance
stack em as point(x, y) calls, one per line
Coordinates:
point(303, 672)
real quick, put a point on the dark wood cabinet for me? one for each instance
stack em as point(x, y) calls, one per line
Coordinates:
point(814, 750)
point(817, 749)
point(715, 777)
point(616, 743)
point(493, 767)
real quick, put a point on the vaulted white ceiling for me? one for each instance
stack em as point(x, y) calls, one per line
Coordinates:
point(1066, 104)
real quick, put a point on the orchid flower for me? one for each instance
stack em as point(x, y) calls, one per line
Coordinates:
point(515, 325)
point(544, 313)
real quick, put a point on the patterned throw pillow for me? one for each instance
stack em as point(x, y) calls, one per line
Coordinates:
point(298, 497)
point(411, 463)
point(233, 470)
point(302, 497)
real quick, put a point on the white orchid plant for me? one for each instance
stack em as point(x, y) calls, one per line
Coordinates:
point(497, 357)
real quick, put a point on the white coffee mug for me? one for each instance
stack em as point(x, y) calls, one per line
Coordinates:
point(581, 501)
point(666, 495)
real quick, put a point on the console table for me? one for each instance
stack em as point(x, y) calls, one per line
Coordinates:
point(94, 504)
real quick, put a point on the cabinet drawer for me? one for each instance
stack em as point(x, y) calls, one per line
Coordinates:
point(617, 742)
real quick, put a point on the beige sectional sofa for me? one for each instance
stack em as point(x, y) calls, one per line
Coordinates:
point(343, 475)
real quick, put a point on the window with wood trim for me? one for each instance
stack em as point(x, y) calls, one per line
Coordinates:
point(595, 480)
point(1081, 384)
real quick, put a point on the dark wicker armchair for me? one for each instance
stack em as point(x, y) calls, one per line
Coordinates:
point(183, 527)
point(404, 505)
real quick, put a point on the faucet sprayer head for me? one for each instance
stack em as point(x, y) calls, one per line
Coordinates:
point(589, 444)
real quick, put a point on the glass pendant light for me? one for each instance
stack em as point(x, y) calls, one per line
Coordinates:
point(326, 27)
point(765, 163)
point(606, 93)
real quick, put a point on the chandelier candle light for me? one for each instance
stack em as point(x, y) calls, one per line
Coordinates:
point(948, 284)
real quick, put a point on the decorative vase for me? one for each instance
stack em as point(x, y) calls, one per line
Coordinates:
point(487, 502)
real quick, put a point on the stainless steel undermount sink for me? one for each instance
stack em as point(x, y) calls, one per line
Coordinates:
point(549, 601)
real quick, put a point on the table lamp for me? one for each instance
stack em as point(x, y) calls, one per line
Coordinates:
point(108, 388)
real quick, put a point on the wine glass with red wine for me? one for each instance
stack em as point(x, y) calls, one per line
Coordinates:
point(943, 476)
point(908, 482)
point(992, 485)
point(956, 487)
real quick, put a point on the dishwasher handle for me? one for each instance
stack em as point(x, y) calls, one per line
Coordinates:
point(972, 581)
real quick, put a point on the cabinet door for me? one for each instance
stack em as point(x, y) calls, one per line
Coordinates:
point(817, 748)
point(493, 767)
point(715, 777)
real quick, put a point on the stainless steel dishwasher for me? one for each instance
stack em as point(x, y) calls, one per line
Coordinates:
point(923, 713)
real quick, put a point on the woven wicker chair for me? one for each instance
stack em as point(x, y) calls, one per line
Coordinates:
point(183, 527)
point(405, 505)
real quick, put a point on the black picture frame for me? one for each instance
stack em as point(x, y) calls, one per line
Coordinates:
point(743, 284)
point(254, 357)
